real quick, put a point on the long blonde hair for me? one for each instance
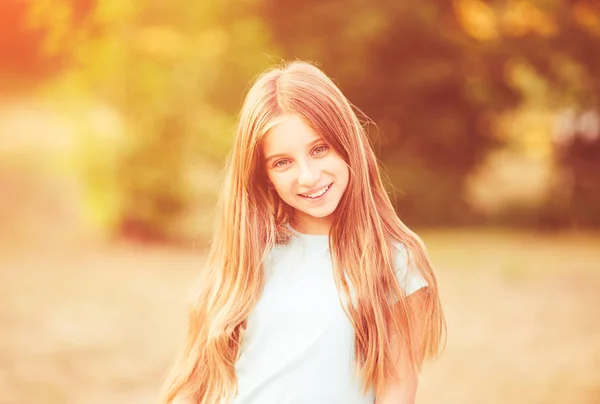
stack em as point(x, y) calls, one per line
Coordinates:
point(251, 220)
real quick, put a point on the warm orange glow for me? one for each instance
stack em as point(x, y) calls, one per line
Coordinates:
point(521, 17)
point(115, 120)
point(477, 18)
point(587, 16)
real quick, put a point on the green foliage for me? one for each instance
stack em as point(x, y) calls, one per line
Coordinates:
point(434, 84)
point(177, 71)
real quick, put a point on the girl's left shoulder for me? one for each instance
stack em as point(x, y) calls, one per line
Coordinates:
point(406, 270)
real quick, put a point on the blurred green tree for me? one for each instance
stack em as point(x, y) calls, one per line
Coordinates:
point(433, 76)
point(175, 72)
point(559, 40)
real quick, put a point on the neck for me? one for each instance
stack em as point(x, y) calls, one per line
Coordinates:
point(312, 225)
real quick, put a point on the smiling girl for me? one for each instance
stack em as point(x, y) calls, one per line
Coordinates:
point(314, 292)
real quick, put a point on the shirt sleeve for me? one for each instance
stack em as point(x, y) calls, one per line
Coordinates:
point(407, 273)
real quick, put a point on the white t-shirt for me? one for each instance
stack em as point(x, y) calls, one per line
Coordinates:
point(298, 347)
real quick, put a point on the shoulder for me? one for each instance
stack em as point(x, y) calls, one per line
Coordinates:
point(407, 272)
point(402, 257)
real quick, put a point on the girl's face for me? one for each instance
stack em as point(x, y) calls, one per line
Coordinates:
point(305, 172)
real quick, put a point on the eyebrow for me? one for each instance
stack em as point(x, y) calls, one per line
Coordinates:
point(311, 144)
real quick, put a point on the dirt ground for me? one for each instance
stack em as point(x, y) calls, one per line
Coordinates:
point(82, 324)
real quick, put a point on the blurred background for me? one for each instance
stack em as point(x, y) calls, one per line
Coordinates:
point(116, 118)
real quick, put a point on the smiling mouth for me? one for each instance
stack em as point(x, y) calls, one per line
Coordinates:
point(317, 194)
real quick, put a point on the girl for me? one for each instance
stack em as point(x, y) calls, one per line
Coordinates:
point(315, 292)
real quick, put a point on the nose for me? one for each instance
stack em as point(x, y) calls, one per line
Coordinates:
point(309, 175)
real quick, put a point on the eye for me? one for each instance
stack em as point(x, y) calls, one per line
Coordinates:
point(320, 149)
point(280, 163)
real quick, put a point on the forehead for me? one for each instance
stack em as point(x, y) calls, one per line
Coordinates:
point(288, 135)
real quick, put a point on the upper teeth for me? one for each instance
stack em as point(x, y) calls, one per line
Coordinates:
point(318, 193)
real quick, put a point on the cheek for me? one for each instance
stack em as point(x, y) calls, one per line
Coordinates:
point(280, 182)
point(346, 177)
point(342, 171)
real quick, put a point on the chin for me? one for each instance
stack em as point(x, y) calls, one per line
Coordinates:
point(322, 212)
point(319, 215)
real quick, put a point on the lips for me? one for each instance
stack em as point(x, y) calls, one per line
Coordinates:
point(317, 193)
